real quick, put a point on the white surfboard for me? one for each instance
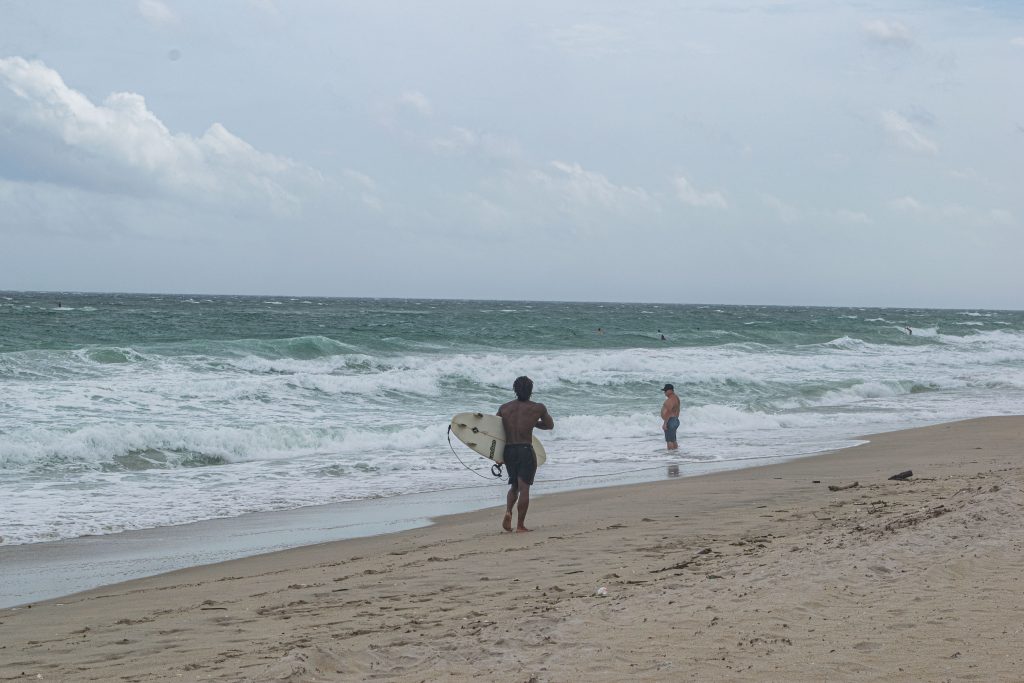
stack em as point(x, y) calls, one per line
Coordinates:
point(486, 435)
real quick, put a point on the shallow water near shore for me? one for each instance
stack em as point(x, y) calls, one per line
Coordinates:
point(44, 571)
point(127, 412)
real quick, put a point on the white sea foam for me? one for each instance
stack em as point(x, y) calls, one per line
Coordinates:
point(717, 419)
point(858, 392)
point(848, 343)
point(105, 444)
point(175, 433)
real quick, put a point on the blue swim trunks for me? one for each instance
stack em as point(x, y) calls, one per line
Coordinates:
point(670, 433)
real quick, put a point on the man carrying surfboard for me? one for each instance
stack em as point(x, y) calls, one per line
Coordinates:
point(519, 418)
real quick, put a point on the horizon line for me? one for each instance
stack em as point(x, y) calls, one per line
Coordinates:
point(483, 300)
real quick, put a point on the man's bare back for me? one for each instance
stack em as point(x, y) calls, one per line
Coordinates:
point(520, 418)
point(670, 408)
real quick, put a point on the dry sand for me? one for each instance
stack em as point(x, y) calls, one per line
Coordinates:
point(754, 575)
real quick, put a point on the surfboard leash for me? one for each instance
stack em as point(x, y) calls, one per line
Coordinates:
point(495, 468)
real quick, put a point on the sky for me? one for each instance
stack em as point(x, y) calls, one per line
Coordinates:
point(714, 151)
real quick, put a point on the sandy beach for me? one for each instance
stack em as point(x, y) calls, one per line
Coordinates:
point(760, 574)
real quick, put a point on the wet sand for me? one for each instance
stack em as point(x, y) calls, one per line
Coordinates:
point(748, 575)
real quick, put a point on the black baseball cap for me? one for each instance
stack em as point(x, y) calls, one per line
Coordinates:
point(667, 387)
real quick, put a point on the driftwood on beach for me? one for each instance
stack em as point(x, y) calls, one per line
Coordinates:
point(833, 487)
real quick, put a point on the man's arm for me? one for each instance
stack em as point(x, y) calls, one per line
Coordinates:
point(545, 421)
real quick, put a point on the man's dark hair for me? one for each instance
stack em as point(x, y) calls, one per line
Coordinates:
point(523, 386)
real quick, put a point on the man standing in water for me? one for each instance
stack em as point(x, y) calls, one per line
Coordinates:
point(670, 416)
point(519, 418)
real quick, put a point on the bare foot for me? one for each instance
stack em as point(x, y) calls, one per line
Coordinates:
point(521, 529)
point(506, 523)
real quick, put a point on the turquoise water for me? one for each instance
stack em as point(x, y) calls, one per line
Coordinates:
point(131, 411)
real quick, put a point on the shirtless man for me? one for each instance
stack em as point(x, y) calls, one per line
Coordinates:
point(519, 418)
point(670, 416)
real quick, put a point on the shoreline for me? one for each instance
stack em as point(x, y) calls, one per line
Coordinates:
point(51, 570)
point(752, 574)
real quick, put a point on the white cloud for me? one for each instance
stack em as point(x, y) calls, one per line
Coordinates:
point(266, 6)
point(963, 174)
point(590, 40)
point(1018, 41)
point(891, 33)
point(121, 147)
point(557, 200)
point(688, 194)
point(458, 139)
point(906, 203)
point(156, 12)
point(590, 189)
point(416, 101)
point(486, 216)
point(953, 213)
point(367, 188)
point(787, 213)
point(1001, 216)
point(851, 217)
point(906, 135)
point(461, 140)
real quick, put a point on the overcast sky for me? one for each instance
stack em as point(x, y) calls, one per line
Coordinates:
point(716, 151)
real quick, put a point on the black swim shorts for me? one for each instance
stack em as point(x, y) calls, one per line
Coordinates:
point(520, 463)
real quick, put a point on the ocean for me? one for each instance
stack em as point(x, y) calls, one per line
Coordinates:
point(133, 411)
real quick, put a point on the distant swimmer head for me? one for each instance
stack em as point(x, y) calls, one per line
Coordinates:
point(523, 386)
